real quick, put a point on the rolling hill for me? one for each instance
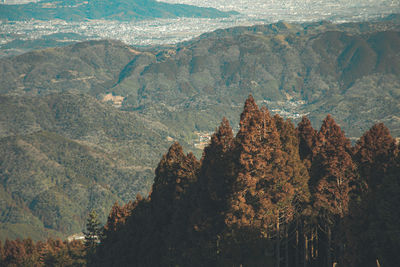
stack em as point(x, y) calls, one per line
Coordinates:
point(65, 154)
point(348, 70)
point(104, 9)
point(92, 119)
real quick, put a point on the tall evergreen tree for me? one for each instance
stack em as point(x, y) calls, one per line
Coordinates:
point(263, 192)
point(374, 212)
point(217, 166)
point(299, 178)
point(375, 150)
point(174, 174)
point(14, 253)
point(307, 141)
point(385, 227)
point(93, 234)
point(333, 174)
point(213, 188)
point(295, 167)
point(154, 222)
point(118, 216)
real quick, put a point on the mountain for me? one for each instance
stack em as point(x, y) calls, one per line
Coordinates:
point(83, 66)
point(319, 69)
point(348, 70)
point(65, 154)
point(104, 9)
point(92, 118)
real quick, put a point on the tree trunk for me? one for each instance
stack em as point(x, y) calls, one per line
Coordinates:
point(286, 246)
point(312, 245)
point(316, 242)
point(328, 247)
point(296, 256)
point(305, 250)
point(278, 244)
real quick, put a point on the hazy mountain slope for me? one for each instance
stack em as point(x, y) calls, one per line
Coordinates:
point(323, 64)
point(105, 9)
point(82, 66)
point(324, 68)
point(60, 152)
point(51, 178)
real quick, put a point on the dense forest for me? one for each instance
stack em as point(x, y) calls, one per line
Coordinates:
point(273, 195)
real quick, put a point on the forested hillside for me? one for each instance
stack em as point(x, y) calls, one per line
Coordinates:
point(349, 70)
point(92, 119)
point(67, 153)
point(273, 195)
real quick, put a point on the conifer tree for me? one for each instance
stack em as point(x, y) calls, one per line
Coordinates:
point(374, 210)
point(216, 173)
point(217, 166)
point(213, 188)
point(263, 193)
point(333, 174)
point(92, 234)
point(373, 153)
point(14, 253)
point(307, 141)
point(174, 173)
point(299, 178)
point(295, 167)
point(385, 227)
point(118, 216)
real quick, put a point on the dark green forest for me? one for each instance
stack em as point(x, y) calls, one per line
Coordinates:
point(271, 195)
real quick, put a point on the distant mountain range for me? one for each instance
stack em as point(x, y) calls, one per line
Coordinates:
point(84, 125)
point(75, 10)
point(348, 70)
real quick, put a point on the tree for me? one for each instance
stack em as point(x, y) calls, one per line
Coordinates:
point(118, 216)
point(373, 214)
point(14, 253)
point(172, 203)
point(92, 234)
point(209, 195)
point(251, 200)
point(299, 178)
point(216, 175)
point(263, 193)
point(333, 175)
point(374, 152)
point(307, 141)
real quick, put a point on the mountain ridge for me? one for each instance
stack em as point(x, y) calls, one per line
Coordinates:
point(103, 9)
point(118, 107)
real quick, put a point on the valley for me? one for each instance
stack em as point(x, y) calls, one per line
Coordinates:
point(93, 118)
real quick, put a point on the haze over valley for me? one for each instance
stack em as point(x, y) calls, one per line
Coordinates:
point(21, 36)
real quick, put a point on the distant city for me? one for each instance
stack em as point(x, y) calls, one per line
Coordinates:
point(17, 2)
point(172, 31)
